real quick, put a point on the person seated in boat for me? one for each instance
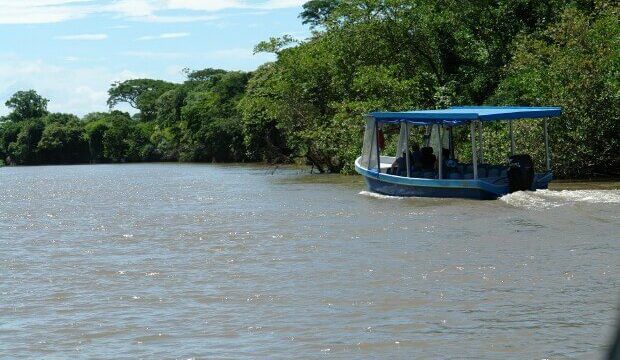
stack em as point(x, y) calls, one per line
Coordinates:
point(449, 164)
point(399, 166)
point(427, 159)
point(415, 159)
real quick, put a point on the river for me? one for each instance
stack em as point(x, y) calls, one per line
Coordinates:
point(208, 261)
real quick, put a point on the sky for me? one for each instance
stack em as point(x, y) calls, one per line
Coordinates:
point(70, 51)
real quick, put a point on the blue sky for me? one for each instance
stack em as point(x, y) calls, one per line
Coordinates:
point(70, 51)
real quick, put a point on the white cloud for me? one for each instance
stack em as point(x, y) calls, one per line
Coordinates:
point(42, 11)
point(281, 4)
point(218, 5)
point(204, 5)
point(83, 59)
point(51, 11)
point(156, 54)
point(165, 36)
point(86, 37)
point(132, 8)
point(173, 35)
point(74, 90)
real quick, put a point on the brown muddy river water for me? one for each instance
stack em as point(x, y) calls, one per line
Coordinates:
point(206, 261)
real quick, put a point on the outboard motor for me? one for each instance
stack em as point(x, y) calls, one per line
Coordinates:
point(520, 173)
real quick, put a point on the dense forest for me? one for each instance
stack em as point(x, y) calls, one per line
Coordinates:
point(363, 55)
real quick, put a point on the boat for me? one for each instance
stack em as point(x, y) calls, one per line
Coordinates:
point(418, 173)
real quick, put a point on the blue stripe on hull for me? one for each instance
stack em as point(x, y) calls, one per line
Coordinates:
point(391, 189)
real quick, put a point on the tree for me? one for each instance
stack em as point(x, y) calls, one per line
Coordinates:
point(9, 131)
point(115, 139)
point(384, 55)
point(262, 137)
point(195, 77)
point(169, 106)
point(26, 105)
point(316, 12)
point(210, 128)
point(59, 118)
point(141, 94)
point(110, 136)
point(63, 143)
point(23, 150)
point(573, 64)
point(95, 129)
point(274, 44)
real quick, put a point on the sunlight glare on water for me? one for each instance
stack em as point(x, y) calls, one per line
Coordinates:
point(182, 261)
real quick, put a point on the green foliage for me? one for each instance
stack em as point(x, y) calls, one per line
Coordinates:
point(262, 137)
point(59, 118)
point(23, 150)
point(115, 139)
point(211, 129)
point(169, 106)
point(274, 44)
point(8, 135)
point(316, 12)
point(196, 77)
point(95, 128)
point(574, 64)
point(63, 143)
point(26, 105)
point(401, 54)
point(141, 94)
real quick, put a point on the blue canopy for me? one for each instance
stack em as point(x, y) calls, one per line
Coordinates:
point(459, 115)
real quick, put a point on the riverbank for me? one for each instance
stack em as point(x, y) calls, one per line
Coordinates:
point(585, 184)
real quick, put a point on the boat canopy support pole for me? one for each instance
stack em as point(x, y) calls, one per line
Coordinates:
point(440, 162)
point(481, 142)
point(472, 131)
point(512, 139)
point(547, 154)
point(377, 146)
point(407, 149)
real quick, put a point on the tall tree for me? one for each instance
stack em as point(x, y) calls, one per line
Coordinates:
point(316, 12)
point(26, 105)
point(141, 94)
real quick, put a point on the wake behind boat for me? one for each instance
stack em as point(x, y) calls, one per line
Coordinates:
point(433, 170)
